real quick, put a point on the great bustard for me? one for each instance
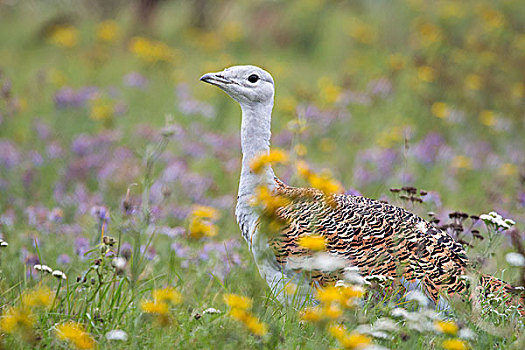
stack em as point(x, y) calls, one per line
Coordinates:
point(377, 238)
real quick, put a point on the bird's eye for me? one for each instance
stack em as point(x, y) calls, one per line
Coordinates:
point(253, 78)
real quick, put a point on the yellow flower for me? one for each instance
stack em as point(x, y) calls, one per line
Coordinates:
point(461, 162)
point(440, 109)
point(362, 32)
point(329, 91)
point(107, 30)
point(426, 74)
point(42, 297)
point(154, 307)
point(300, 149)
point(508, 169)
point(325, 183)
point(275, 156)
point(255, 326)
point(268, 200)
point(199, 228)
point(64, 36)
point(352, 292)
point(355, 341)
point(337, 331)
point(332, 311)
point(488, 117)
point(396, 62)
point(312, 242)
point(151, 51)
point(201, 221)
point(205, 212)
point(167, 294)
point(311, 314)
point(302, 169)
point(447, 327)
point(454, 344)
point(473, 82)
point(17, 318)
point(493, 18)
point(75, 333)
point(237, 301)
point(289, 104)
point(429, 33)
point(101, 110)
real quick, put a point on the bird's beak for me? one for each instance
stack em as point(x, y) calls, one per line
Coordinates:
point(216, 79)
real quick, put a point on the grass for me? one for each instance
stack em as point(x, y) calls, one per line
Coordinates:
point(107, 136)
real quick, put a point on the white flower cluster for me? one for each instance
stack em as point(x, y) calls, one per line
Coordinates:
point(3, 243)
point(497, 220)
point(56, 273)
point(515, 259)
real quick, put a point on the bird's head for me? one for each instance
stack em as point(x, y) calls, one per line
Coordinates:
point(248, 85)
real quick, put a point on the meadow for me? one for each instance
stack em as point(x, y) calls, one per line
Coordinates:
point(119, 169)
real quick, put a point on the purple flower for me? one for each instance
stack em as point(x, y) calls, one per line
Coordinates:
point(63, 259)
point(56, 215)
point(69, 98)
point(81, 246)
point(9, 155)
point(427, 149)
point(189, 106)
point(136, 80)
point(521, 199)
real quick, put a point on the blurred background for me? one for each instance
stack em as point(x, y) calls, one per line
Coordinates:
point(382, 93)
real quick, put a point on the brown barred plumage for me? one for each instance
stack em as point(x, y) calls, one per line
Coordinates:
point(379, 239)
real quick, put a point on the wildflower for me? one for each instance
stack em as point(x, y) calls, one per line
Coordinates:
point(488, 117)
point(396, 61)
point(43, 268)
point(64, 36)
point(101, 110)
point(42, 297)
point(329, 91)
point(168, 294)
point(201, 222)
point(268, 200)
point(275, 156)
point(454, 344)
point(312, 242)
point(154, 307)
point(75, 334)
point(117, 334)
point(211, 310)
point(119, 263)
point(497, 220)
point(349, 292)
point(255, 326)
point(331, 311)
point(515, 259)
point(461, 162)
point(107, 30)
point(17, 318)
point(237, 301)
point(300, 149)
point(447, 327)
point(59, 274)
point(329, 295)
point(426, 74)
point(311, 315)
point(3, 243)
point(325, 183)
point(355, 341)
point(199, 228)
point(473, 82)
point(440, 110)
point(205, 212)
point(151, 51)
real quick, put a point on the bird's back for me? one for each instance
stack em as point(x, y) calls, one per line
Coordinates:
point(378, 238)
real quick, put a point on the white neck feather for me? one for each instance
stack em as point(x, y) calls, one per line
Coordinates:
point(255, 141)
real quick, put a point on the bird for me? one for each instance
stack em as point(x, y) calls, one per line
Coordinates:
point(373, 237)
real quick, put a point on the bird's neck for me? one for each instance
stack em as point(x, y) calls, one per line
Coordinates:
point(255, 141)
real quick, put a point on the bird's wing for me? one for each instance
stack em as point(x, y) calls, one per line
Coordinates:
point(378, 238)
